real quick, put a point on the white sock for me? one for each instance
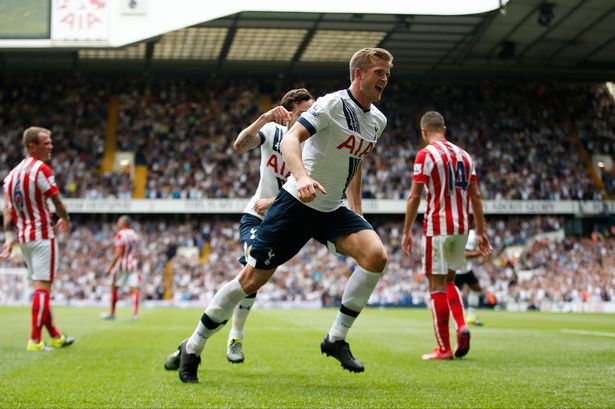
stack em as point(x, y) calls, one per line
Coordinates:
point(359, 288)
point(216, 314)
point(473, 300)
point(240, 315)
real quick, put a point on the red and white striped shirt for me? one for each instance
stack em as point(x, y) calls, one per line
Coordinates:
point(28, 186)
point(128, 240)
point(447, 172)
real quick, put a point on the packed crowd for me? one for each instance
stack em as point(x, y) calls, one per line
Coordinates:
point(76, 112)
point(204, 255)
point(183, 131)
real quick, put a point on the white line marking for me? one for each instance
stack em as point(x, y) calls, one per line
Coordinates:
point(596, 333)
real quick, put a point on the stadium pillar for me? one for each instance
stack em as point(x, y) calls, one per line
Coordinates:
point(168, 281)
point(110, 135)
point(140, 182)
point(266, 103)
point(205, 252)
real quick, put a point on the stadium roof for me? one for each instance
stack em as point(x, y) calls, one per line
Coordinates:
point(528, 38)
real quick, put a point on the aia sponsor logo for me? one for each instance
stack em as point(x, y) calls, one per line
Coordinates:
point(278, 166)
point(356, 147)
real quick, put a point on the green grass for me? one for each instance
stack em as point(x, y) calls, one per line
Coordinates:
point(516, 360)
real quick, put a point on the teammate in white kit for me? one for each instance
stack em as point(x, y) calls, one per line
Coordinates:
point(27, 189)
point(466, 276)
point(448, 175)
point(337, 133)
point(123, 267)
point(267, 133)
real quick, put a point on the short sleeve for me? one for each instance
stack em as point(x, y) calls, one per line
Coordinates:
point(422, 167)
point(261, 135)
point(318, 116)
point(118, 240)
point(45, 181)
point(267, 132)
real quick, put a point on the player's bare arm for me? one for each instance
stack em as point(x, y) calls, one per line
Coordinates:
point(479, 219)
point(249, 139)
point(291, 150)
point(9, 236)
point(119, 252)
point(353, 192)
point(412, 209)
point(64, 222)
point(472, 253)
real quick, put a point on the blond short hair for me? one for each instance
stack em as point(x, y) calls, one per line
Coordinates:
point(366, 56)
point(31, 135)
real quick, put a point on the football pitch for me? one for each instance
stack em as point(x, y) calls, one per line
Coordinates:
point(516, 360)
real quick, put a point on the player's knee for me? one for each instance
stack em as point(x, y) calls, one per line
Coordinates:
point(377, 259)
point(250, 284)
point(251, 279)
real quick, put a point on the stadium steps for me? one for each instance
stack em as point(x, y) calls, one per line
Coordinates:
point(205, 252)
point(139, 182)
point(167, 282)
point(110, 135)
point(580, 148)
point(266, 103)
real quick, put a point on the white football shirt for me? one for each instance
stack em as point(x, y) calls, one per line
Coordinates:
point(273, 170)
point(343, 133)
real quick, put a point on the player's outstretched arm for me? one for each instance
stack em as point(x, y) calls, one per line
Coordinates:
point(291, 150)
point(412, 209)
point(249, 139)
point(479, 219)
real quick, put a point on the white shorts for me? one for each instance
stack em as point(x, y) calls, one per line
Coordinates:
point(441, 253)
point(41, 257)
point(126, 279)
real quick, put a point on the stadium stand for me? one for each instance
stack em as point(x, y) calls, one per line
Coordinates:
point(182, 131)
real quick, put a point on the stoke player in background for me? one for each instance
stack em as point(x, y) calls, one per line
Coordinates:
point(265, 132)
point(123, 267)
point(449, 176)
point(26, 190)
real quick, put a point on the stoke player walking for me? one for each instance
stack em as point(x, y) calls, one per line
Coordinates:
point(26, 190)
point(448, 174)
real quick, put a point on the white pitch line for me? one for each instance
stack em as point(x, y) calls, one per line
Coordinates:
point(596, 333)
